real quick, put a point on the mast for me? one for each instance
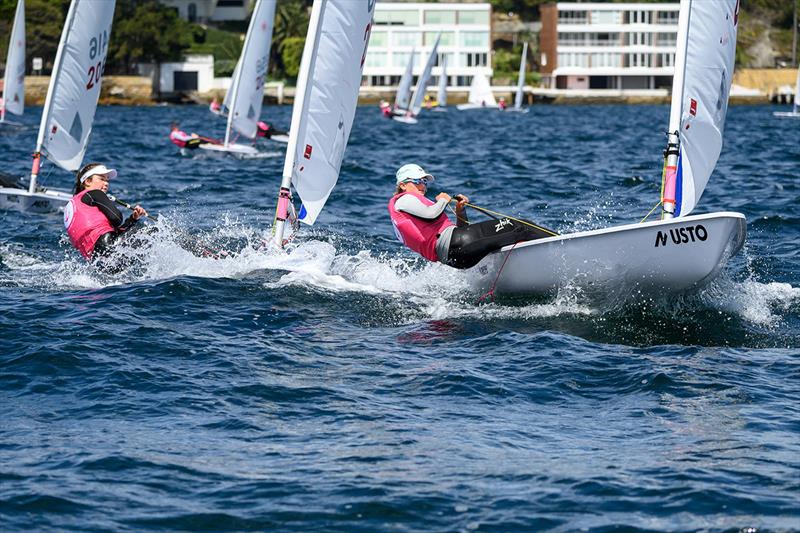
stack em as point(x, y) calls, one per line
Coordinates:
point(48, 102)
point(672, 152)
point(238, 74)
point(306, 66)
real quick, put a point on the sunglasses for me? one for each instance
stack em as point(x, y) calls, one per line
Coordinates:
point(418, 181)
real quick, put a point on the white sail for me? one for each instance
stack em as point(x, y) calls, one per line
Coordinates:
point(226, 102)
point(480, 92)
point(700, 103)
point(14, 81)
point(797, 92)
point(403, 98)
point(75, 83)
point(422, 81)
point(247, 89)
point(441, 96)
point(521, 78)
point(327, 94)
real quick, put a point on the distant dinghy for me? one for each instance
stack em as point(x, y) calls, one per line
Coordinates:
point(794, 113)
point(13, 100)
point(70, 104)
point(480, 95)
point(678, 252)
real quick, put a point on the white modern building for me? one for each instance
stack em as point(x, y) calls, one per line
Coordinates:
point(401, 27)
point(211, 10)
point(589, 46)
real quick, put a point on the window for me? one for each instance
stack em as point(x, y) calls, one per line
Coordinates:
point(606, 17)
point(378, 38)
point(406, 38)
point(473, 17)
point(572, 17)
point(192, 12)
point(397, 17)
point(474, 38)
point(667, 17)
point(443, 16)
point(572, 59)
point(451, 60)
point(448, 38)
point(667, 39)
point(606, 59)
point(377, 59)
point(400, 59)
point(474, 59)
point(230, 3)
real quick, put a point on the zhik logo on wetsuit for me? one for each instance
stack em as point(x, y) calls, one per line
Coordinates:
point(502, 224)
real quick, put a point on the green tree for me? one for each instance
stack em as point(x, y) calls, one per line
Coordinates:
point(44, 20)
point(291, 54)
point(291, 21)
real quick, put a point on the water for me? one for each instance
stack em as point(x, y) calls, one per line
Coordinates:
point(349, 385)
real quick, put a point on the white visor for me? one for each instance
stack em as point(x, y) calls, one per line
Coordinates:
point(99, 170)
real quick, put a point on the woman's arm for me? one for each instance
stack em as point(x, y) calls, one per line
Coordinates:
point(412, 205)
point(97, 198)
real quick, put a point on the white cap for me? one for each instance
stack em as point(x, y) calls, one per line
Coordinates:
point(412, 172)
point(99, 170)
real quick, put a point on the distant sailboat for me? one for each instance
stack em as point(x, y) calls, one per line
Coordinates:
point(324, 106)
point(70, 104)
point(480, 95)
point(402, 99)
point(245, 97)
point(680, 251)
point(793, 113)
point(441, 94)
point(421, 88)
point(13, 100)
point(520, 83)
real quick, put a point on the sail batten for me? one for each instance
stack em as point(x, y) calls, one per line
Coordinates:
point(14, 79)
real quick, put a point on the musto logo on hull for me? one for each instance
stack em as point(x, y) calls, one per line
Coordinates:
point(682, 235)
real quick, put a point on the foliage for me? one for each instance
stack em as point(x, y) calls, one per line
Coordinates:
point(291, 54)
point(44, 20)
point(146, 31)
point(291, 21)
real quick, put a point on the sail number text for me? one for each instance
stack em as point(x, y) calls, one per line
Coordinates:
point(682, 235)
point(98, 46)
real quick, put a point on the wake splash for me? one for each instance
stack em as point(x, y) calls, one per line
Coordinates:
point(332, 264)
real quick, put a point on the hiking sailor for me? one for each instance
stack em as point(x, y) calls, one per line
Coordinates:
point(423, 226)
point(181, 139)
point(92, 220)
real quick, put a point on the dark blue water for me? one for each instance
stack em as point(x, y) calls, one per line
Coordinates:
point(350, 386)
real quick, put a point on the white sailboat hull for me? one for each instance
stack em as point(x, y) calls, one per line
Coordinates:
point(405, 119)
point(786, 114)
point(516, 110)
point(45, 201)
point(236, 150)
point(661, 256)
point(470, 107)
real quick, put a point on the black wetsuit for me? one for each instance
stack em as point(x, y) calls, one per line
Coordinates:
point(470, 244)
point(99, 199)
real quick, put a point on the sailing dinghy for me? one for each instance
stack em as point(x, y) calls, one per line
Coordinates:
point(480, 95)
point(421, 88)
point(70, 104)
point(793, 113)
point(520, 83)
point(324, 106)
point(402, 100)
point(246, 95)
point(13, 100)
point(680, 251)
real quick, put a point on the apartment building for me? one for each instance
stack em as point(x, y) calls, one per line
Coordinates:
point(401, 27)
point(588, 46)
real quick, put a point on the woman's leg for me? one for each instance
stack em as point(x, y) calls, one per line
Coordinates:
point(470, 244)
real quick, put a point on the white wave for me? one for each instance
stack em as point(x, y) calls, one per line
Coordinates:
point(759, 303)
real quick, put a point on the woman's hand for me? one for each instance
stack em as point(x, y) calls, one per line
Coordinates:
point(461, 201)
point(443, 196)
point(139, 212)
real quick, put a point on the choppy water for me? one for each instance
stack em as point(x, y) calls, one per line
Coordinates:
point(350, 386)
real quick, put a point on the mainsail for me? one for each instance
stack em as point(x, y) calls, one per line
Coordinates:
point(703, 75)
point(521, 78)
point(14, 80)
point(74, 85)
point(796, 92)
point(247, 89)
point(422, 81)
point(480, 92)
point(403, 98)
point(441, 96)
point(325, 105)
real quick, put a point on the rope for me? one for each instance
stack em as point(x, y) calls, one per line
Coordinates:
point(651, 211)
point(490, 294)
point(495, 214)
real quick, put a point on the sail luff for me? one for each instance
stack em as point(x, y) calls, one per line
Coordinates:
point(796, 92)
point(14, 77)
point(422, 81)
point(521, 78)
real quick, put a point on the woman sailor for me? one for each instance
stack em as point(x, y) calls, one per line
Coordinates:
point(92, 220)
point(423, 226)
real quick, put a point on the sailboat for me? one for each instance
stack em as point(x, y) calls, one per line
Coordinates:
point(421, 88)
point(13, 100)
point(793, 113)
point(325, 105)
point(520, 83)
point(680, 251)
point(441, 93)
point(70, 104)
point(402, 99)
point(480, 95)
point(246, 95)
